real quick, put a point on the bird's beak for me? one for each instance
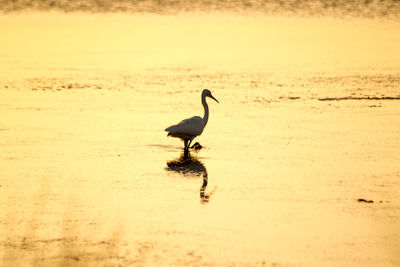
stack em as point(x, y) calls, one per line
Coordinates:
point(214, 98)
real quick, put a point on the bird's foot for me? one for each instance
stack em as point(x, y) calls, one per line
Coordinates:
point(196, 146)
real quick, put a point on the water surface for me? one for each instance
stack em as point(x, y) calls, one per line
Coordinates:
point(307, 124)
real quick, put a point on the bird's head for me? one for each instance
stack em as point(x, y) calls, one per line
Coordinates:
point(207, 93)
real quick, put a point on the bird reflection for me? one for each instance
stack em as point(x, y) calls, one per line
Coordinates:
point(189, 165)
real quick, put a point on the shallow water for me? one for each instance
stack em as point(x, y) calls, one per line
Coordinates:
point(307, 124)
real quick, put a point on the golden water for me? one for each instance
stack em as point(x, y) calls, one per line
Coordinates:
point(307, 124)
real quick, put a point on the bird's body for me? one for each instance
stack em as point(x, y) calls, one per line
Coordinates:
point(188, 129)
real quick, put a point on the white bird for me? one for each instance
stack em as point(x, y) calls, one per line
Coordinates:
point(188, 129)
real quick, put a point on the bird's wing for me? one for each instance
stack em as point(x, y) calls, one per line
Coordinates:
point(193, 126)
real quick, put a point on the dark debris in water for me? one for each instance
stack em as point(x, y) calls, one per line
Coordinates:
point(65, 87)
point(75, 258)
point(359, 98)
point(365, 200)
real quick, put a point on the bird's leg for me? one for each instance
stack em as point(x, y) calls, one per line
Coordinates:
point(186, 145)
point(186, 154)
point(189, 143)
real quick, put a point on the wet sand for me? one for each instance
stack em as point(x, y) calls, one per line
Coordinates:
point(306, 126)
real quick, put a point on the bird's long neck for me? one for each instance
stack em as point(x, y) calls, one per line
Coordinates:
point(205, 118)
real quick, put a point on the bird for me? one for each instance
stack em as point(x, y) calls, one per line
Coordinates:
point(188, 129)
